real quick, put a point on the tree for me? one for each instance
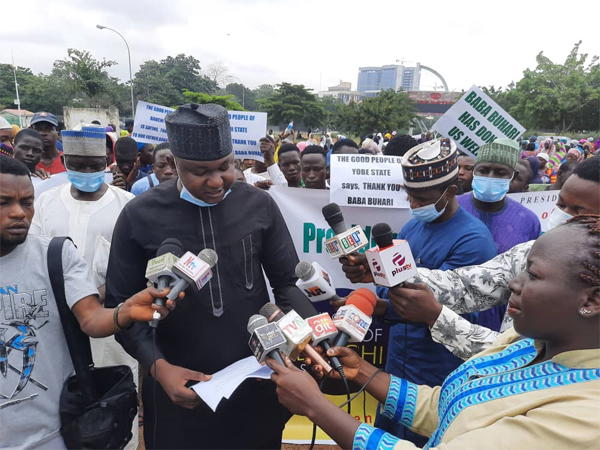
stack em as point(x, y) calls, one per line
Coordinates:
point(293, 102)
point(164, 81)
point(561, 97)
point(218, 73)
point(84, 74)
point(226, 101)
point(7, 84)
point(245, 96)
point(390, 110)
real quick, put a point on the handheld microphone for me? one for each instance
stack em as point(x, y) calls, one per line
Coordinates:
point(354, 318)
point(346, 240)
point(266, 339)
point(160, 270)
point(193, 271)
point(296, 331)
point(324, 332)
point(391, 262)
point(315, 282)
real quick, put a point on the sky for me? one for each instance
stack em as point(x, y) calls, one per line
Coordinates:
point(314, 42)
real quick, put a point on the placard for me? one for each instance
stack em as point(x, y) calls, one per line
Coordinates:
point(475, 119)
point(373, 181)
point(247, 127)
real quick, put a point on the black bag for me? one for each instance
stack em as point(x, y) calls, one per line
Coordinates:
point(97, 404)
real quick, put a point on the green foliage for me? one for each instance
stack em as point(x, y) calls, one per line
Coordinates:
point(246, 97)
point(164, 81)
point(226, 101)
point(292, 102)
point(553, 96)
point(387, 111)
point(78, 80)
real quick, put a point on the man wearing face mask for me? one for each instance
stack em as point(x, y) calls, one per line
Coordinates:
point(86, 209)
point(438, 296)
point(443, 236)
point(509, 222)
point(204, 208)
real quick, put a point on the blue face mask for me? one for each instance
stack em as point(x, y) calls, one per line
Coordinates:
point(490, 190)
point(86, 182)
point(188, 197)
point(428, 213)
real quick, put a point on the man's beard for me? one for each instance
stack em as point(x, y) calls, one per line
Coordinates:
point(11, 242)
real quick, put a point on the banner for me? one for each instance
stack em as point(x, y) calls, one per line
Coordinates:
point(475, 119)
point(301, 210)
point(246, 128)
point(80, 116)
point(367, 181)
point(541, 203)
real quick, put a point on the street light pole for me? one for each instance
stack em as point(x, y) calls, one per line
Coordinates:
point(102, 27)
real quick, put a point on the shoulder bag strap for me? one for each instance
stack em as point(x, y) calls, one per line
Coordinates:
point(150, 180)
point(77, 341)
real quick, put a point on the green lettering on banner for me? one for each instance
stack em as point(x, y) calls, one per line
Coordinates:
point(320, 238)
point(310, 233)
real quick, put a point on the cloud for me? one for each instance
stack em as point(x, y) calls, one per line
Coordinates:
point(314, 42)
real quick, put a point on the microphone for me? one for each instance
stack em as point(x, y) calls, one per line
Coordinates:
point(354, 318)
point(391, 262)
point(266, 339)
point(296, 331)
point(346, 240)
point(193, 271)
point(160, 270)
point(315, 282)
point(324, 332)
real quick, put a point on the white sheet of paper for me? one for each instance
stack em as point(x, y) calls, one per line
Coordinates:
point(224, 382)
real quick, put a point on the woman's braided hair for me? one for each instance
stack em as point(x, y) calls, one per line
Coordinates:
point(591, 259)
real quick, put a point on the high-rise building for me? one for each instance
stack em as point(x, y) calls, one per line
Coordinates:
point(372, 80)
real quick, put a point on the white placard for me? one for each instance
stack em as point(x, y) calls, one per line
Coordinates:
point(367, 181)
point(247, 127)
point(149, 124)
point(475, 119)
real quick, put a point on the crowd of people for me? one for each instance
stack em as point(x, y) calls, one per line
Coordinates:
point(495, 344)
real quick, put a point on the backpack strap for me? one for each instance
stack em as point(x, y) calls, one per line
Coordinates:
point(77, 341)
point(150, 180)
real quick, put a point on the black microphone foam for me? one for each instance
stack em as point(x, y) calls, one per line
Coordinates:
point(170, 245)
point(334, 217)
point(382, 234)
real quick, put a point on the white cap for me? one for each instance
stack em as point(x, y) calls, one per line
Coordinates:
point(544, 156)
point(4, 125)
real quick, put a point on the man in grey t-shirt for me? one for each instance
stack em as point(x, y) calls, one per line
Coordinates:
point(34, 358)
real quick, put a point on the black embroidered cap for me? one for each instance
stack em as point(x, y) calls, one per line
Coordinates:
point(199, 132)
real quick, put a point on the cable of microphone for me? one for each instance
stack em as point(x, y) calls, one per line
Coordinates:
point(296, 331)
point(315, 282)
point(193, 270)
point(354, 318)
point(346, 240)
point(160, 270)
point(266, 339)
point(391, 262)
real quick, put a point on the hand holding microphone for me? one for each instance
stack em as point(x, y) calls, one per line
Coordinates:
point(193, 270)
point(296, 331)
point(346, 240)
point(160, 271)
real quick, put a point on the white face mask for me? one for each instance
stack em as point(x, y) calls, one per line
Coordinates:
point(557, 217)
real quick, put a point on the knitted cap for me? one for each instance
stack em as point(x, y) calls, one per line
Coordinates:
point(430, 164)
point(502, 151)
point(199, 132)
point(84, 143)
